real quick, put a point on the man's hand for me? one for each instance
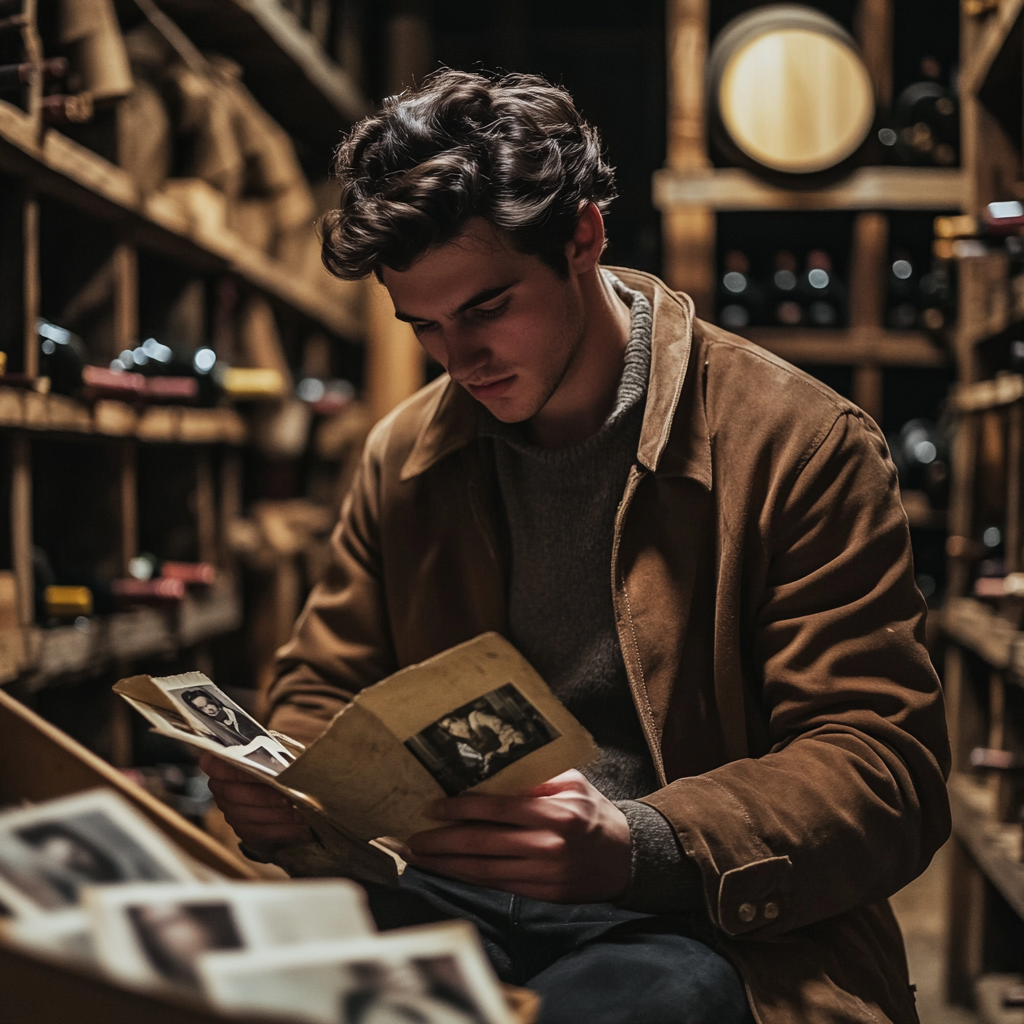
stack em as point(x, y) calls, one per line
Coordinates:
point(260, 815)
point(562, 842)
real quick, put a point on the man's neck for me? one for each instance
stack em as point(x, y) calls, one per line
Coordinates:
point(586, 394)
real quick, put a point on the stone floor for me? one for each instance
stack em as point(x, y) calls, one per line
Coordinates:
point(921, 909)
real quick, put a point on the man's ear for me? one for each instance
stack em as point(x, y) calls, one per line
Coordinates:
point(584, 251)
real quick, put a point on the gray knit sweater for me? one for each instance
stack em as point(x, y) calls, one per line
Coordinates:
point(560, 504)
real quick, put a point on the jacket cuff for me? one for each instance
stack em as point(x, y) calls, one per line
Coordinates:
point(664, 880)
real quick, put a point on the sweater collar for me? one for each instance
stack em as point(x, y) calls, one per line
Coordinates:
point(675, 401)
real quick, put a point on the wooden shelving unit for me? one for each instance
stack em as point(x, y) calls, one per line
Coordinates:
point(731, 189)
point(286, 67)
point(57, 166)
point(984, 656)
point(315, 100)
point(691, 193)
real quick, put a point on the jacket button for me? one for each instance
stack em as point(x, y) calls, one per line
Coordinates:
point(771, 911)
point(747, 912)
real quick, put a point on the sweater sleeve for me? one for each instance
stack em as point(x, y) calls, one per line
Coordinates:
point(664, 880)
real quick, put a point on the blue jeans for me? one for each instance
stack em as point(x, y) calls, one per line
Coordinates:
point(592, 963)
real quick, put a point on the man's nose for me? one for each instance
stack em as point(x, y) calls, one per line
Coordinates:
point(466, 355)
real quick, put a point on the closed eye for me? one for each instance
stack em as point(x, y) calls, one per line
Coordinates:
point(492, 314)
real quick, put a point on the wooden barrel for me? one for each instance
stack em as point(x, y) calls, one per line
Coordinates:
point(788, 87)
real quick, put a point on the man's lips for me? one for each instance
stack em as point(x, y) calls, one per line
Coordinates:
point(491, 389)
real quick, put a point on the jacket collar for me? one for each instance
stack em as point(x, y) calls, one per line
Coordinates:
point(453, 422)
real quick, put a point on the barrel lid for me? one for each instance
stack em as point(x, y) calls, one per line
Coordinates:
point(789, 88)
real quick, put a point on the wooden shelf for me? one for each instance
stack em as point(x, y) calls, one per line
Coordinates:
point(65, 653)
point(161, 424)
point(286, 69)
point(988, 996)
point(995, 35)
point(60, 167)
point(874, 346)
point(867, 188)
point(976, 626)
point(920, 513)
point(987, 394)
point(995, 846)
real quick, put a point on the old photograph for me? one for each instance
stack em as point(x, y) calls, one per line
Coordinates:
point(213, 714)
point(50, 852)
point(436, 974)
point(154, 934)
point(477, 740)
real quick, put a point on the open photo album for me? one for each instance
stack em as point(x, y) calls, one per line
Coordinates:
point(475, 718)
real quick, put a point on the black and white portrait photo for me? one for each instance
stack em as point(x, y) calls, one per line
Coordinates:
point(175, 935)
point(222, 718)
point(49, 853)
point(477, 740)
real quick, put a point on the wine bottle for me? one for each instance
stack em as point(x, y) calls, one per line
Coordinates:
point(902, 289)
point(926, 121)
point(15, 76)
point(739, 296)
point(785, 305)
point(821, 292)
point(62, 355)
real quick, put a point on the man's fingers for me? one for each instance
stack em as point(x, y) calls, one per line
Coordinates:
point(527, 812)
point(268, 815)
point(271, 835)
point(249, 793)
point(486, 841)
point(217, 768)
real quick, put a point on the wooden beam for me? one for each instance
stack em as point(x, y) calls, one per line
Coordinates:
point(21, 524)
point(867, 188)
point(125, 263)
point(993, 38)
point(689, 235)
point(871, 345)
point(394, 359)
point(687, 47)
point(874, 33)
point(30, 278)
point(129, 501)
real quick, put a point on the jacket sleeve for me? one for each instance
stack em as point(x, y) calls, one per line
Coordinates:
point(341, 641)
point(849, 803)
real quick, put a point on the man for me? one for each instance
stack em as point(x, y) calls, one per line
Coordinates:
point(700, 548)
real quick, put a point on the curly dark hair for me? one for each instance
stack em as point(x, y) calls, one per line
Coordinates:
point(512, 149)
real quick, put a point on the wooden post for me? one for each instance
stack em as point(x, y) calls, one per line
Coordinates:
point(21, 524)
point(205, 507)
point(30, 296)
point(867, 301)
point(394, 358)
point(688, 232)
point(230, 502)
point(874, 33)
point(410, 45)
point(126, 297)
point(965, 926)
point(129, 501)
point(1012, 541)
point(961, 502)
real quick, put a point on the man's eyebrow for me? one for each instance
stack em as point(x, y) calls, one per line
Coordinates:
point(474, 300)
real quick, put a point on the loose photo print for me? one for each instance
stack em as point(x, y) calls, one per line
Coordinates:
point(154, 934)
point(435, 974)
point(212, 713)
point(477, 740)
point(50, 852)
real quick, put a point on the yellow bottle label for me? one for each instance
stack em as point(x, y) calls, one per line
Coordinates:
point(62, 601)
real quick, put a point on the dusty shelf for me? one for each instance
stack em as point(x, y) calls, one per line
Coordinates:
point(857, 345)
point(67, 653)
point(867, 188)
point(166, 424)
point(994, 845)
point(286, 69)
point(60, 167)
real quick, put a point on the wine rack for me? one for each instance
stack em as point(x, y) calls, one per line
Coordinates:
point(691, 193)
point(67, 212)
point(982, 622)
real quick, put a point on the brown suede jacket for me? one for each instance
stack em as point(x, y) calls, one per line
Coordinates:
point(765, 603)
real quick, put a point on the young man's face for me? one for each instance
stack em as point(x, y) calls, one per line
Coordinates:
point(504, 325)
